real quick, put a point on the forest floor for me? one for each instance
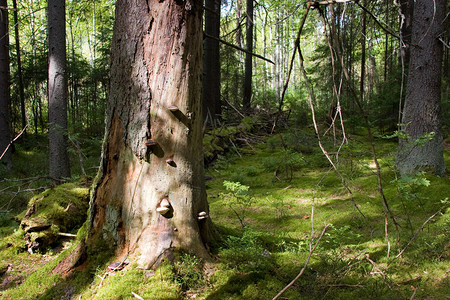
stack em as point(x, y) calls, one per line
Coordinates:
point(271, 202)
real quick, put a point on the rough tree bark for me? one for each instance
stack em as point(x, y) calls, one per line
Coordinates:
point(153, 140)
point(421, 114)
point(57, 90)
point(5, 135)
point(211, 63)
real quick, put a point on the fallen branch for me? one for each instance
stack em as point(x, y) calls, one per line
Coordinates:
point(231, 105)
point(235, 148)
point(304, 266)
point(417, 233)
point(15, 139)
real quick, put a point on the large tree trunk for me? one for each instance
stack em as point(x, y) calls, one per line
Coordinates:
point(5, 107)
point(421, 114)
point(152, 149)
point(57, 90)
point(211, 65)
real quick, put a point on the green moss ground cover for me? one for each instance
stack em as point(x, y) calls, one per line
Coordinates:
point(264, 205)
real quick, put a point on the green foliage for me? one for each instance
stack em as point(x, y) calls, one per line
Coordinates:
point(337, 237)
point(246, 253)
point(284, 164)
point(188, 272)
point(238, 199)
point(220, 140)
point(409, 186)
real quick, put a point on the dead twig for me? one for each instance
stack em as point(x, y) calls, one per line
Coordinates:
point(417, 233)
point(304, 266)
point(231, 105)
point(15, 139)
point(375, 267)
point(235, 148)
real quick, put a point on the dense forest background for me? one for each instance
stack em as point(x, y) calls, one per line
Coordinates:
point(373, 59)
point(301, 101)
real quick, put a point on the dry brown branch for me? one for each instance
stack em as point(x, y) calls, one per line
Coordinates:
point(375, 267)
point(231, 105)
point(304, 266)
point(417, 233)
point(387, 210)
point(15, 139)
point(316, 129)
point(235, 148)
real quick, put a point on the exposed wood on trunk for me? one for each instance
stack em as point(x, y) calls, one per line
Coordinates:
point(156, 64)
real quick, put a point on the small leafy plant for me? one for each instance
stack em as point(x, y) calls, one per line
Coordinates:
point(188, 272)
point(246, 253)
point(238, 199)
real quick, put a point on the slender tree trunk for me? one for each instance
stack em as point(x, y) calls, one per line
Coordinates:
point(19, 68)
point(211, 64)
point(238, 23)
point(363, 54)
point(152, 157)
point(57, 90)
point(386, 42)
point(5, 105)
point(248, 60)
point(421, 115)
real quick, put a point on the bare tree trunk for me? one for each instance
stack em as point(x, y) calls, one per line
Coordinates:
point(19, 68)
point(421, 115)
point(211, 64)
point(5, 105)
point(248, 60)
point(57, 90)
point(363, 54)
point(152, 159)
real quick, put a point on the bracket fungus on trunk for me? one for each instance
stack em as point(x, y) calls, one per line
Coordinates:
point(164, 206)
point(173, 108)
point(150, 143)
point(202, 215)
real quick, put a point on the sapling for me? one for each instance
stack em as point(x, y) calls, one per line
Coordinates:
point(238, 199)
